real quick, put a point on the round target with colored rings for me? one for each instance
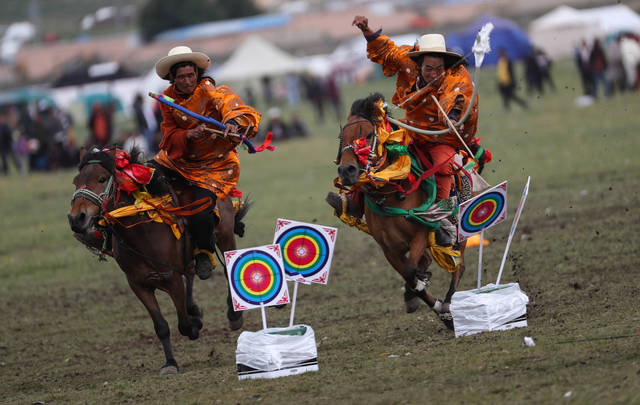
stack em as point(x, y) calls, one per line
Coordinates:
point(256, 277)
point(482, 212)
point(305, 251)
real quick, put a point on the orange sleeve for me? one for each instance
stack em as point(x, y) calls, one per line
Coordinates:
point(394, 60)
point(174, 138)
point(231, 107)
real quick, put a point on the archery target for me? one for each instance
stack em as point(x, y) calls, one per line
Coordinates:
point(307, 250)
point(256, 277)
point(483, 211)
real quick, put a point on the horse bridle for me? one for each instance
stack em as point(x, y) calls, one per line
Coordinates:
point(95, 198)
point(351, 147)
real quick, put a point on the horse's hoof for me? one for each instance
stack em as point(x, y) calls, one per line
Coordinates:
point(412, 305)
point(236, 323)
point(169, 370)
point(195, 311)
point(197, 322)
point(447, 319)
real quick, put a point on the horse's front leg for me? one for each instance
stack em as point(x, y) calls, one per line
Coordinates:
point(226, 241)
point(417, 274)
point(147, 296)
point(192, 308)
point(400, 263)
point(187, 325)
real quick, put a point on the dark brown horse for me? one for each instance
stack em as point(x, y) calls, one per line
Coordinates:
point(404, 243)
point(147, 252)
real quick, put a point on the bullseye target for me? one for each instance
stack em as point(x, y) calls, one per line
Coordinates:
point(307, 250)
point(256, 277)
point(483, 211)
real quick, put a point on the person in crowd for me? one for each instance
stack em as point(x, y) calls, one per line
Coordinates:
point(615, 70)
point(315, 93)
point(297, 127)
point(293, 89)
point(533, 76)
point(209, 163)
point(598, 65)
point(46, 130)
point(544, 69)
point(333, 94)
point(507, 81)
point(630, 50)
point(267, 89)
point(141, 120)
point(6, 144)
point(276, 126)
point(581, 58)
point(100, 126)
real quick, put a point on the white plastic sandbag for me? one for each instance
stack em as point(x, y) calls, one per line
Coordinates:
point(276, 352)
point(491, 307)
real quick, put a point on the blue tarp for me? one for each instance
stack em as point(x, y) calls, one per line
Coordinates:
point(506, 34)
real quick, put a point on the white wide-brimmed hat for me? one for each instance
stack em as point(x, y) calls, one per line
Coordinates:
point(181, 54)
point(433, 43)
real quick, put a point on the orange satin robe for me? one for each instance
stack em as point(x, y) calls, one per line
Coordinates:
point(421, 111)
point(210, 162)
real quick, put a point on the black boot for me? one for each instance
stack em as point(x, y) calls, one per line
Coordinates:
point(443, 238)
point(337, 202)
point(201, 226)
point(204, 267)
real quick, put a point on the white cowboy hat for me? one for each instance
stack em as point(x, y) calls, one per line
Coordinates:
point(181, 54)
point(433, 43)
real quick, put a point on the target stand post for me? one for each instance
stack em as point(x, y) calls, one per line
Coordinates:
point(494, 306)
point(257, 280)
point(482, 212)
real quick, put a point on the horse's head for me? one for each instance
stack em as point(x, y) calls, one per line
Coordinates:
point(358, 138)
point(95, 183)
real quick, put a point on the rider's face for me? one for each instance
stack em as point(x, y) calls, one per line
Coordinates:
point(186, 80)
point(432, 69)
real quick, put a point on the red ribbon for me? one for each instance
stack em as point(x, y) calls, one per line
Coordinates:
point(130, 175)
point(362, 149)
point(267, 143)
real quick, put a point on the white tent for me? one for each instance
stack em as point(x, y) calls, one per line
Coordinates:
point(558, 31)
point(254, 58)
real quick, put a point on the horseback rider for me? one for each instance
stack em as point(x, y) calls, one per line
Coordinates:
point(423, 70)
point(207, 162)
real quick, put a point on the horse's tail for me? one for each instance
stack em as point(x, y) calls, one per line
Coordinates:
point(243, 208)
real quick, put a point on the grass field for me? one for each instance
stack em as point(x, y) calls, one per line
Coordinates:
point(72, 331)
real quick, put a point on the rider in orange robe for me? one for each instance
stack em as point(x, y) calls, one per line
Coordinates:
point(208, 161)
point(422, 71)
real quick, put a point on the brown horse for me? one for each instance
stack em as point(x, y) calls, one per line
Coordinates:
point(147, 252)
point(404, 243)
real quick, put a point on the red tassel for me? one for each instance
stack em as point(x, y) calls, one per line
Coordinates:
point(267, 143)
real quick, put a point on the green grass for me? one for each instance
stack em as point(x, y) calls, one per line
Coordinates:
point(73, 332)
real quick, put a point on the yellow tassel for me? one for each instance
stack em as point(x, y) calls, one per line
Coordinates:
point(445, 256)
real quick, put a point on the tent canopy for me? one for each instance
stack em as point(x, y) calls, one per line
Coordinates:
point(558, 31)
point(257, 57)
point(506, 34)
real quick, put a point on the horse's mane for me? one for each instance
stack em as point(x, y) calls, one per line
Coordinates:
point(365, 107)
point(105, 160)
